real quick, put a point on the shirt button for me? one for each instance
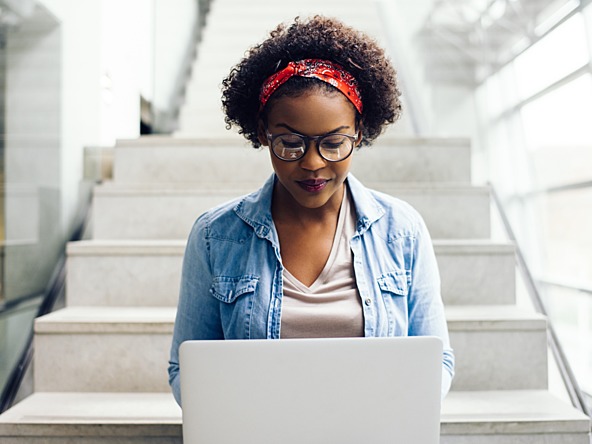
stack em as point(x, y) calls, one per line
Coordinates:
point(368, 302)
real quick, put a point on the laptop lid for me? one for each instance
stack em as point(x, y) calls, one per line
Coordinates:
point(314, 391)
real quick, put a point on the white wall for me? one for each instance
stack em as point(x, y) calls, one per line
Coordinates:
point(80, 27)
point(126, 66)
point(174, 23)
point(112, 52)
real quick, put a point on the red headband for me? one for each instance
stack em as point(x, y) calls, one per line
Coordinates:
point(324, 70)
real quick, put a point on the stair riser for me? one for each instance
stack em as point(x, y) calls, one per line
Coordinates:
point(23, 439)
point(500, 360)
point(153, 279)
point(123, 280)
point(94, 362)
point(118, 362)
point(401, 163)
point(558, 438)
point(479, 278)
point(546, 438)
point(450, 215)
point(194, 165)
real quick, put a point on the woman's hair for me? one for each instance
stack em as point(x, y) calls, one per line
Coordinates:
point(315, 38)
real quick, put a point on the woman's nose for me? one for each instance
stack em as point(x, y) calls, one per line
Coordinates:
point(312, 159)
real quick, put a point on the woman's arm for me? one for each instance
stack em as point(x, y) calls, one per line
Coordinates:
point(198, 315)
point(426, 310)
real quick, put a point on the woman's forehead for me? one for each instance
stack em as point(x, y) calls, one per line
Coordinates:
point(315, 112)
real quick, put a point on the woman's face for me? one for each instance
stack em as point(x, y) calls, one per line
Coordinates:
point(310, 182)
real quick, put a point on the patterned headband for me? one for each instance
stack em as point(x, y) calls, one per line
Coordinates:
point(324, 70)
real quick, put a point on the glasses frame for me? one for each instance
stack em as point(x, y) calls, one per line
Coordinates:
point(307, 140)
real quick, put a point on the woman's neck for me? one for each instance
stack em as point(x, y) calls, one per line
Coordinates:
point(285, 209)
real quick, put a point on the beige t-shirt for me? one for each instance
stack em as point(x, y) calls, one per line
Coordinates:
point(331, 306)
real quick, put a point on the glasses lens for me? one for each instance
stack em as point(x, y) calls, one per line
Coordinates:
point(289, 147)
point(335, 147)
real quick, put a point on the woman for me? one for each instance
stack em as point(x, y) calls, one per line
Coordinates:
point(313, 253)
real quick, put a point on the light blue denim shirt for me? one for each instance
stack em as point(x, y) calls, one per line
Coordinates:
point(231, 285)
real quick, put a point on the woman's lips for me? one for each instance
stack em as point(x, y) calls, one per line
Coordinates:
point(312, 185)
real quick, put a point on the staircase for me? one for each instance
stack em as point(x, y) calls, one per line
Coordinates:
point(100, 363)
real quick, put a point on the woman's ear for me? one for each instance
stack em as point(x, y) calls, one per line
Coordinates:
point(360, 134)
point(261, 133)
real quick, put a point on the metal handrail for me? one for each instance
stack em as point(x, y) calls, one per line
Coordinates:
point(567, 375)
point(586, 289)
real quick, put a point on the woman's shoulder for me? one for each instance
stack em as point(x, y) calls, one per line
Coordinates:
point(226, 220)
point(398, 210)
point(397, 215)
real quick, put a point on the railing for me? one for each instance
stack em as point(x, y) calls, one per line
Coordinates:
point(574, 392)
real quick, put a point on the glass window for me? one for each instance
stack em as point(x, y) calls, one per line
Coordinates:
point(559, 53)
point(571, 315)
point(567, 217)
point(561, 117)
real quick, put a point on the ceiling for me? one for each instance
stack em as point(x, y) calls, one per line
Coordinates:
point(464, 41)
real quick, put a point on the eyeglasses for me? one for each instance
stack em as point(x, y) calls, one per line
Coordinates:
point(293, 146)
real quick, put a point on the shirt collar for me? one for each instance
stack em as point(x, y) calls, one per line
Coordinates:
point(368, 209)
point(255, 210)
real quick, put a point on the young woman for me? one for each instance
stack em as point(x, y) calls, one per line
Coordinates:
point(313, 253)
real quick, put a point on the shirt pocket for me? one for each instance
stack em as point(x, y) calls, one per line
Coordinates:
point(394, 283)
point(229, 289)
point(236, 296)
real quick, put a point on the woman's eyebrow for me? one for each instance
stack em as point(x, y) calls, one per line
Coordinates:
point(336, 130)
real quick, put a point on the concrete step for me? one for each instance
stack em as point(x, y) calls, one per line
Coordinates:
point(98, 349)
point(506, 417)
point(125, 349)
point(150, 212)
point(511, 417)
point(498, 348)
point(175, 160)
point(93, 418)
point(148, 273)
point(124, 273)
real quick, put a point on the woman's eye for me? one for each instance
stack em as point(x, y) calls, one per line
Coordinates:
point(292, 145)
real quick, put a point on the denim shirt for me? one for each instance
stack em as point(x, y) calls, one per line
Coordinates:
point(231, 284)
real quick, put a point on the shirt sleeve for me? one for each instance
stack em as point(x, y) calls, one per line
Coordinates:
point(198, 315)
point(426, 309)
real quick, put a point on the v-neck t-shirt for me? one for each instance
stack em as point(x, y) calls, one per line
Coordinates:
point(331, 305)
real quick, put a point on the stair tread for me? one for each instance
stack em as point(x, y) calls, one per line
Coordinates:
point(177, 246)
point(493, 317)
point(116, 319)
point(518, 411)
point(229, 187)
point(166, 142)
point(108, 320)
point(64, 414)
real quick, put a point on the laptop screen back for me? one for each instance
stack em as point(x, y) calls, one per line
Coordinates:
point(314, 391)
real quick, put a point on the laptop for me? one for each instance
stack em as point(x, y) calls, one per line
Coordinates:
point(312, 391)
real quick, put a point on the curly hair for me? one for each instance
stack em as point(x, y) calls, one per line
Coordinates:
point(316, 38)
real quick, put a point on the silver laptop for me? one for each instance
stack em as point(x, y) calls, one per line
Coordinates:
point(312, 391)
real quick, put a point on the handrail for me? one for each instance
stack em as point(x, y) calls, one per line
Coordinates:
point(573, 389)
point(14, 304)
point(568, 285)
point(53, 291)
